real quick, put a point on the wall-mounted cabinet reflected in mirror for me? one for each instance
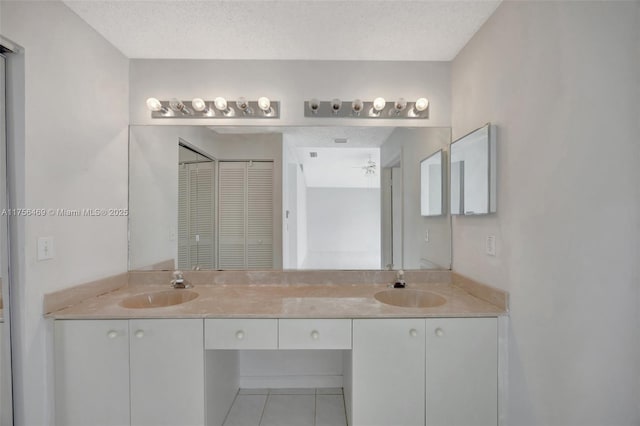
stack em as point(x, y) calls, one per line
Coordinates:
point(282, 197)
point(473, 173)
point(431, 184)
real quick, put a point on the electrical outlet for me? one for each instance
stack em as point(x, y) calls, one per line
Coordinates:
point(426, 236)
point(491, 245)
point(45, 248)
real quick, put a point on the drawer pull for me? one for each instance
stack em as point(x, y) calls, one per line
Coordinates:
point(315, 334)
point(112, 334)
point(413, 332)
point(139, 334)
point(240, 334)
point(439, 332)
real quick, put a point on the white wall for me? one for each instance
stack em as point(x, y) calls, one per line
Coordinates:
point(343, 226)
point(561, 81)
point(292, 83)
point(72, 154)
point(287, 369)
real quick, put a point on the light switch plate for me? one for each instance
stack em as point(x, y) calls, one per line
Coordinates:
point(45, 248)
point(491, 245)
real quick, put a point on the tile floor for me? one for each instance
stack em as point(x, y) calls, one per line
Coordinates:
point(288, 407)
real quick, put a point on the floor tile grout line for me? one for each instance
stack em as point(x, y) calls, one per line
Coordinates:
point(315, 406)
point(264, 408)
point(235, 398)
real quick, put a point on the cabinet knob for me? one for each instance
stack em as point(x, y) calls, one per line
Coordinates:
point(240, 334)
point(439, 332)
point(112, 334)
point(315, 334)
point(413, 332)
point(139, 334)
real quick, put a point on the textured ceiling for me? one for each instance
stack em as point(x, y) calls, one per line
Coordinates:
point(418, 30)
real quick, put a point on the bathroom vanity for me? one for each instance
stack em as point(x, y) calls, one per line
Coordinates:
point(179, 364)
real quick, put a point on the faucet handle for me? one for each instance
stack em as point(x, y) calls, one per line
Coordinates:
point(400, 282)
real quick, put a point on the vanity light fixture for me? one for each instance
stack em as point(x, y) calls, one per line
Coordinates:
point(155, 105)
point(335, 108)
point(200, 105)
point(218, 108)
point(179, 106)
point(243, 105)
point(336, 105)
point(221, 105)
point(379, 104)
point(264, 104)
point(356, 106)
point(398, 106)
point(420, 106)
point(314, 106)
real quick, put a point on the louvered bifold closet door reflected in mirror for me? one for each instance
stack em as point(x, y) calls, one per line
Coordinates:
point(245, 215)
point(196, 216)
point(260, 215)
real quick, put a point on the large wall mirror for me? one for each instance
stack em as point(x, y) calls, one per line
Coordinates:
point(282, 198)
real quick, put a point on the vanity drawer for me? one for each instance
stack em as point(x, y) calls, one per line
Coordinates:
point(315, 333)
point(238, 333)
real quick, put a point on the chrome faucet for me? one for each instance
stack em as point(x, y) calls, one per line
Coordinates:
point(178, 280)
point(399, 282)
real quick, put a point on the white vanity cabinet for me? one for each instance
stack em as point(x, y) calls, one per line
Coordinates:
point(462, 371)
point(92, 372)
point(416, 372)
point(167, 372)
point(388, 372)
point(129, 372)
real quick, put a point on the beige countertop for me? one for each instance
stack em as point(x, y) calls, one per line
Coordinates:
point(280, 301)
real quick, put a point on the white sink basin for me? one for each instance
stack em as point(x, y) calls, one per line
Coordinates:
point(409, 298)
point(158, 299)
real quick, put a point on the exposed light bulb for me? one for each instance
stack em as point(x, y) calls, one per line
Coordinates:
point(421, 104)
point(357, 105)
point(400, 105)
point(264, 104)
point(379, 104)
point(199, 104)
point(155, 105)
point(220, 103)
point(336, 104)
point(243, 104)
point(178, 106)
point(314, 105)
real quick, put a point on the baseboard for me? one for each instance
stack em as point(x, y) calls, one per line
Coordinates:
point(278, 382)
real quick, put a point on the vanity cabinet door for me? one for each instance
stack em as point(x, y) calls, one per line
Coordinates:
point(388, 372)
point(462, 372)
point(91, 372)
point(167, 372)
